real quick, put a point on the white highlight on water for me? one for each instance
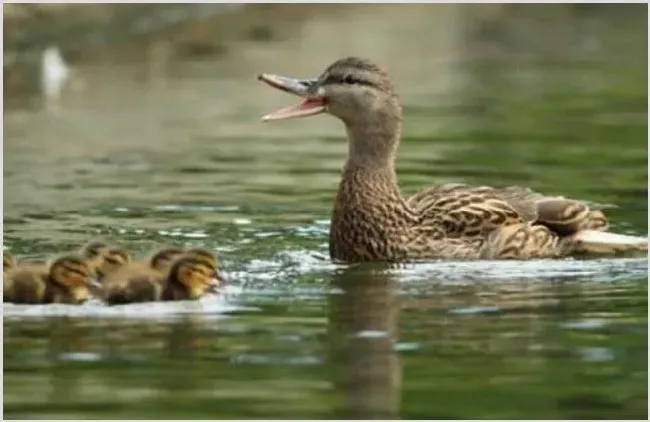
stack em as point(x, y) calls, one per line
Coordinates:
point(54, 74)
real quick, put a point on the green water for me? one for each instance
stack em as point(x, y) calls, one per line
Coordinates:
point(146, 155)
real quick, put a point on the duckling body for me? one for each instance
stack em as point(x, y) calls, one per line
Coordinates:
point(373, 221)
point(139, 281)
point(67, 280)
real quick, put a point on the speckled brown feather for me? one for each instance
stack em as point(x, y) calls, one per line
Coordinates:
point(538, 222)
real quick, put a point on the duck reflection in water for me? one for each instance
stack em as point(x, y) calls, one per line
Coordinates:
point(363, 316)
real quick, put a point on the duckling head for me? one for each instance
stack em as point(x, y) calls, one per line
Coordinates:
point(112, 259)
point(93, 253)
point(94, 249)
point(164, 258)
point(208, 258)
point(74, 276)
point(8, 261)
point(195, 277)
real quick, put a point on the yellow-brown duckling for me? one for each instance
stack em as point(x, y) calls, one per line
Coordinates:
point(93, 253)
point(111, 260)
point(67, 279)
point(8, 261)
point(189, 277)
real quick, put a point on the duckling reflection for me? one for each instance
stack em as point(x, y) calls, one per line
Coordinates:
point(67, 280)
point(188, 278)
point(362, 327)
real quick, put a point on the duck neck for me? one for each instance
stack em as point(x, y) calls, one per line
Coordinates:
point(372, 146)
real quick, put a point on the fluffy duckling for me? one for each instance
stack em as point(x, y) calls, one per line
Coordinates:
point(67, 279)
point(93, 252)
point(111, 260)
point(8, 261)
point(190, 277)
point(209, 258)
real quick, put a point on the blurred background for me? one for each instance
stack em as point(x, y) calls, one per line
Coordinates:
point(140, 124)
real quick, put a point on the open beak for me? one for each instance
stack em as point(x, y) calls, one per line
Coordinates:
point(312, 103)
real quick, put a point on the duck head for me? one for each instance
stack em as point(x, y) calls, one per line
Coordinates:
point(355, 90)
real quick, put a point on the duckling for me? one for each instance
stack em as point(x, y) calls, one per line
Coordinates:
point(93, 252)
point(67, 279)
point(188, 278)
point(209, 258)
point(8, 261)
point(112, 259)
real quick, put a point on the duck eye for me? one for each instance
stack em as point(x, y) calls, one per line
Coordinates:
point(349, 79)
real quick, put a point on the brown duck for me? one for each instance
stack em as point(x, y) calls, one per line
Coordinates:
point(67, 279)
point(373, 221)
point(171, 274)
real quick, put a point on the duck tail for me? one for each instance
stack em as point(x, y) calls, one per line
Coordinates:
point(595, 242)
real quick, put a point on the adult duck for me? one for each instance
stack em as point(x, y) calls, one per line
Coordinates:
point(372, 221)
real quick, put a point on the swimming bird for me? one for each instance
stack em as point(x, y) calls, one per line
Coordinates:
point(67, 279)
point(111, 260)
point(371, 219)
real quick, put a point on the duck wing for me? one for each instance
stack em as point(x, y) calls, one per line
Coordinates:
point(464, 210)
point(517, 222)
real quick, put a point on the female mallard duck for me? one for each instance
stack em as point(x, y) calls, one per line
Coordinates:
point(169, 276)
point(372, 221)
point(67, 279)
